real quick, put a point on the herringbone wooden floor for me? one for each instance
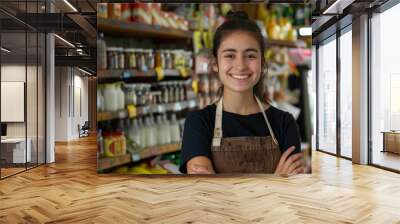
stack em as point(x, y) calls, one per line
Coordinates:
point(70, 191)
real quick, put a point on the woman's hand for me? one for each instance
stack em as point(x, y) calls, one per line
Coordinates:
point(200, 165)
point(290, 165)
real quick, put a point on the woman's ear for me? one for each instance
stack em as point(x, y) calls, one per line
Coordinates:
point(214, 65)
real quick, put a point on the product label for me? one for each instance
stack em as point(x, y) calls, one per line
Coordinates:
point(160, 73)
point(132, 111)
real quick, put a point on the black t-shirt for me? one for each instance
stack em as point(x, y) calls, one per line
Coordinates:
point(199, 128)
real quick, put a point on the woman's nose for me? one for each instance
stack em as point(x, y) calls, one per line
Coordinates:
point(240, 63)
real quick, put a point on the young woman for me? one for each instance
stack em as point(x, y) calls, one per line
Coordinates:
point(241, 133)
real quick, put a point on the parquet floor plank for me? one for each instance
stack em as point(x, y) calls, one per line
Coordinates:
point(70, 191)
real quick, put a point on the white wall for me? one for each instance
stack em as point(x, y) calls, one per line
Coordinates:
point(69, 85)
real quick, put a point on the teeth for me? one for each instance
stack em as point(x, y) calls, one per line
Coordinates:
point(240, 76)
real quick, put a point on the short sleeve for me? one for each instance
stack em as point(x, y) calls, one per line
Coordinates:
point(291, 134)
point(196, 139)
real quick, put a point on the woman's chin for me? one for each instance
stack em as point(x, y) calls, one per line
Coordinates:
point(241, 88)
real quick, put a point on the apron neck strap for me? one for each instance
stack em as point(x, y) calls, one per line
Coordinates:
point(218, 123)
point(266, 120)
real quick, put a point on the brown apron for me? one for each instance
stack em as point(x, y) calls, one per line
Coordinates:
point(244, 154)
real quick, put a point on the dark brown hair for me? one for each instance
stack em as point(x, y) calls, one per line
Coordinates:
point(239, 21)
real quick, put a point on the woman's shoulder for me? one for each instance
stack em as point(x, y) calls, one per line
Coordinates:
point(207, 114)
point(278, 114)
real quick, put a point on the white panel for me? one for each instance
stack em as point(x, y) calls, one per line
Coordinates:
point(12, 101)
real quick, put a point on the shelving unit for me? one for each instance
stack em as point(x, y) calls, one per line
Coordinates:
point(281, 43)
point(143, 110)
point(122, 28)
point(107, 163)
point(115, 29)
point(115, 75)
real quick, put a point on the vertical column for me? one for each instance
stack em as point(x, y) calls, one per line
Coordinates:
point(360, 90)
point(50, 92)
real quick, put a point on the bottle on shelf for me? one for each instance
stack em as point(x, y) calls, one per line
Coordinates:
point(166, 130)
point(101, 52)
point(160, 135)
point(134, 132)
point(142, 132)
point(121, 97)
point(174, 130)
point(152, 135)
point(110, 94)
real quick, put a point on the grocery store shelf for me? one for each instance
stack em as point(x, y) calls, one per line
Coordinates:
point(113, 27)
point(155, 151)
point(104, 76)
point(104, 116)
point(121, 73)
point(282, 43)
point(107, 163)
point(143, 110)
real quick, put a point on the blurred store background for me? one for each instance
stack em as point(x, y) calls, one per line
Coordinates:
point(153, 69)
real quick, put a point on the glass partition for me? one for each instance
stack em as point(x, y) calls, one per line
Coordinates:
point(346, 93)
point(327, 96)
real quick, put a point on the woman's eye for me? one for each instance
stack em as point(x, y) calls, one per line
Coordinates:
point(251, 56)
point(229, 56)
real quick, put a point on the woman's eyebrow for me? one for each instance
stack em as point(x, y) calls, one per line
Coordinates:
point(234, 50)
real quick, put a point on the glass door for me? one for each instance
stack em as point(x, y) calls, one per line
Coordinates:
point(346, 93)
point(327, 96)
point(385, 89)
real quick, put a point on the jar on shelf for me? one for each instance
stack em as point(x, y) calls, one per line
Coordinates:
point(182, 91)
point(139, 94)
point(141, 60)
point(102, 10)
point(160, 59)
point(150, 59)
point(146, 93)
point(120, 140)
point(110, 94)
point(126, 12)
point(177, 92)
point(112, 57)
point(108, 144)
point(168, 60)
point(130, 94)
point(164, 93)
point(130, 58)
point(114, 11)
point(171, 92)
point(121, 58)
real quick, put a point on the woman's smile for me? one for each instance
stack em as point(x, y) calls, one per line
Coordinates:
point(240, 76)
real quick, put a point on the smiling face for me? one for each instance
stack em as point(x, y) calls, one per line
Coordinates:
point(239, 62)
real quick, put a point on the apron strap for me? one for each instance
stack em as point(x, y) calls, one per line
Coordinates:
point(218, 123)
point(267, 121)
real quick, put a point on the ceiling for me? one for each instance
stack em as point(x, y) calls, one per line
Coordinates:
point(21, 20)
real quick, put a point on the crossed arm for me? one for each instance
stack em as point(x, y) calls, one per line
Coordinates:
point(288, 165)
